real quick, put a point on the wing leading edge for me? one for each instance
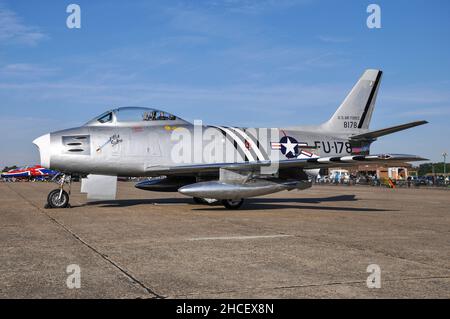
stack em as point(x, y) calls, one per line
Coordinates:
point(304, 163)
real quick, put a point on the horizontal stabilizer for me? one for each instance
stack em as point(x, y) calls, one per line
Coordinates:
point(372, 135)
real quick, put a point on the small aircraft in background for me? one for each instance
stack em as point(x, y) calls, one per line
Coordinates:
point(228, 164)
point(35, 172)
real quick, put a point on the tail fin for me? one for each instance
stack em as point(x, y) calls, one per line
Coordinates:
point(355, 113)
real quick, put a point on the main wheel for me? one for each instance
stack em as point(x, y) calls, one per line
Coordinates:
point(233, 203)
point(58, 199)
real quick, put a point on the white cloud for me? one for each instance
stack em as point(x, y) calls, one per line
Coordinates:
point(279, 103)
point(417, 95)
point(13, 30)
point(25, 70)
point(256, 6)
point(433, 111)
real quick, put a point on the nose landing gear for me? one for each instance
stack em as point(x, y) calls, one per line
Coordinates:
point(59, 198)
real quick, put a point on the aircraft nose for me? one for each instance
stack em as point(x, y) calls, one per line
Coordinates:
point(43, 143)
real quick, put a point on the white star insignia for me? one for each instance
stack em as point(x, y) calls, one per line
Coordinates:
point(290, 147)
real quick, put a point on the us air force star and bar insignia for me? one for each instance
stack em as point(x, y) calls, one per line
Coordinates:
point(290, 147)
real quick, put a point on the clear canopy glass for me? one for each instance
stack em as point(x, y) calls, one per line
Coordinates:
point(139, 114)
point(132, 115)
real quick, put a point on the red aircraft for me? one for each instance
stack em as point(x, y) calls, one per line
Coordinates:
point(30, 172)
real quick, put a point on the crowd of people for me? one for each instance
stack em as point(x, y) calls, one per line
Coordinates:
point(373, 180)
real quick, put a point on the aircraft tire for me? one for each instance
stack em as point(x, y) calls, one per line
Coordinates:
point(233, 203)
point(54, 201)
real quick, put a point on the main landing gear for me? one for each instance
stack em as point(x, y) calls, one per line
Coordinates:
point(59, 198)
point(205, 201)
point(228, 203)
point(233, 203)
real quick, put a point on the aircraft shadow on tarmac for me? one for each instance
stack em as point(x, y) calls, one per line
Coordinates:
point(251, 204)
point(134, 202)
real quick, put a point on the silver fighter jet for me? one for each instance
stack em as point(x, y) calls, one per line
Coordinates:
point(212, 163)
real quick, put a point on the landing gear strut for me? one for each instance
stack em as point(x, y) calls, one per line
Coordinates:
point(199, 200)
point(59, 198)
point(205, 201)
point(228, 203)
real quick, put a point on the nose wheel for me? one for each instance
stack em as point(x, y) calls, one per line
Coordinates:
point(59, 198)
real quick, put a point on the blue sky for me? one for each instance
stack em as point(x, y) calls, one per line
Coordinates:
point(260, 63)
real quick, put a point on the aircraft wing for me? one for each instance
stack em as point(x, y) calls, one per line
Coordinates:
point(304, 163)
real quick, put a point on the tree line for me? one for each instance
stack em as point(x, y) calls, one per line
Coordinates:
point(437, 168)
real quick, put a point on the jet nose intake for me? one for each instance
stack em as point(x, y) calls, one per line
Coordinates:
point(43, 143)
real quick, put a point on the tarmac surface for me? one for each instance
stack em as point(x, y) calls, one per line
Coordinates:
point(315, 243)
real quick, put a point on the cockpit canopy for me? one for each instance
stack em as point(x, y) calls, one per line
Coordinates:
point(135, 115)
